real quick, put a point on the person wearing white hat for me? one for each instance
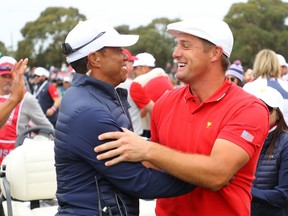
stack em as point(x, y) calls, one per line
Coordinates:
point(208, 133)
point(27, 113)
point(270, 187)
point(17, 92)
point(46, 94)
point(93, 105)
point(153, 82)
point(18, 89)
point(283, 65)
point(266, 68)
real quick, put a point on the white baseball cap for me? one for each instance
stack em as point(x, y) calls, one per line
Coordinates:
point(40, 71)
point(67, 79)
point(282, 60)
point(6, 64)
point(268, 95)
point(144, 59)
point(215, 31)
point(92, 35)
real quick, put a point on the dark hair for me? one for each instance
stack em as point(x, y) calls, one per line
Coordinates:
point(207, 45)
point(80, 65)
point(281, 127)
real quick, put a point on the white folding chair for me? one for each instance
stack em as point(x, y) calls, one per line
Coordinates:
point(28, 179)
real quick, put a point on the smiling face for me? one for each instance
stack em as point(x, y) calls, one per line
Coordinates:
point(193, 58)
point(111, 65)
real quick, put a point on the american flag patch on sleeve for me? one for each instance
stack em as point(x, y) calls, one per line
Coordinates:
point(247, 136)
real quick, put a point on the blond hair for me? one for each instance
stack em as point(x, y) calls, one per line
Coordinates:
point(266, 64)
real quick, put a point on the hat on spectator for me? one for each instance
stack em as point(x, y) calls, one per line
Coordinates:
point(268, 95)
point(215, 31)
point(92, 35)
point(130, 57)
point(144, 59)
point(235, 70)
point(67, 79)
point(282, 60)
point(40, 71)
point(6, 64)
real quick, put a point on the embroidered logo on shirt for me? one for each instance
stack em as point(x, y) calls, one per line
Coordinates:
point(247, 136)
point(208, 124)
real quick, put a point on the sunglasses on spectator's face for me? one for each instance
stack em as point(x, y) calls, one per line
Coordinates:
point(6, 76)
point(270, 109)
point(5, 68)
point(232, 79)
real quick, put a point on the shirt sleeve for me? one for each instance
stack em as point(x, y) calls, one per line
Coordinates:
point(52, 89)
point(31, 111)
point(246, 129)
point(132, 178)
point(139, 95)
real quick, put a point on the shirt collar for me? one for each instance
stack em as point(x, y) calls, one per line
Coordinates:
point(217, 96)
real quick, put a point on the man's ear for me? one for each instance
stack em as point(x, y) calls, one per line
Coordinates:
point(216, 53)
point(94, 59)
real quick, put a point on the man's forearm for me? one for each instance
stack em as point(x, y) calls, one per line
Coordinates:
point(6, 108)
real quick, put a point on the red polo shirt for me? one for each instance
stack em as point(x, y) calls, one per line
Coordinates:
point(180, 122)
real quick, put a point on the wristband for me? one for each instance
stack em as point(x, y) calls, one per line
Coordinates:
point(54, 108)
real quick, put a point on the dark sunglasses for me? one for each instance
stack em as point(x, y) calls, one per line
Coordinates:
point(5, 68)
point(232, 79)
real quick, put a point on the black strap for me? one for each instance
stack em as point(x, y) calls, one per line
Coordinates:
point(8, 196)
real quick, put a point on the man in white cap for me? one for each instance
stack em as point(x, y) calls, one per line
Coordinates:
point(151, 80)
point(18, 89)
point(210, 131)
point(27, 113)
point(90, 107)
point(47, 94)
point(283, 65)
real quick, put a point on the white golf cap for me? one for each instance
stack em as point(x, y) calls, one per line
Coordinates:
point(268, 95)
point(216, 31)
point(91, 35)
point(144, 59)
point(282, 60)
point(40, 71)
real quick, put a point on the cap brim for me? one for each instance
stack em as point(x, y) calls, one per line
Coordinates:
point(5, 72)
point(122, 41)
point(132, 58)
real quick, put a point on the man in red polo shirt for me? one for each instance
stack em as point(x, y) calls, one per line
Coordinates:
point(210, 131)
point(151, 80)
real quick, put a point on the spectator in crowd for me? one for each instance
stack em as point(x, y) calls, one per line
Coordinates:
point(18, 89)
point(153, 80)
point(84, 185)
point(266, 67)
point(235, 73)
point(66, 82)
point(270, 188)
point(134, 110)
point(27, 113)
point(210, 132)
point(47, 94)
point(283, 65)
point(248, 76)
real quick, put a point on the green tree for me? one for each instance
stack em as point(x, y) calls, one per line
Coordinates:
point(256, 25)
point(3, 49)
point(153, 39)
point(43, 37)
